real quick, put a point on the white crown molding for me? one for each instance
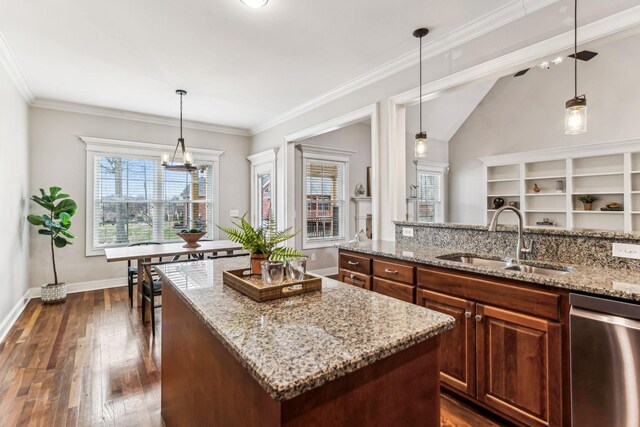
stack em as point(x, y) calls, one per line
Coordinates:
point(263, 157)
point(119, 146)
point(502, 16)
point(562, 153)
point(139, 117)
point(320, 150)
point(8, 61)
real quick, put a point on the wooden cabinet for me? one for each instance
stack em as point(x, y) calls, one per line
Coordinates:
point(458, 349)
point(518, 365)
point(356, 279)
point(394, 289)
point(505, 352)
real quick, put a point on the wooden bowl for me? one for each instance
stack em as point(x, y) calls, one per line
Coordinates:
point(191, 239)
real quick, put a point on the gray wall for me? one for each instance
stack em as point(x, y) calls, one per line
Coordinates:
point(58, 157)
point(527, 113)
point(356, 137)
point(14, 177)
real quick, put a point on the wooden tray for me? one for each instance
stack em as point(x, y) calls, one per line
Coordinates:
point(253, 287)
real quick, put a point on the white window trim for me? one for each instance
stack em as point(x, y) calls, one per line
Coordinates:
point(102, 146)
point(263, 163)
point(340, 155)
point(443, 169)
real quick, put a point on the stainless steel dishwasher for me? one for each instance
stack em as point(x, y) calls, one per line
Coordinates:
point(605, 362)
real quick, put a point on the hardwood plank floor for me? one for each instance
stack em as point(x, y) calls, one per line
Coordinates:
point(90, 361)
point(86, 362)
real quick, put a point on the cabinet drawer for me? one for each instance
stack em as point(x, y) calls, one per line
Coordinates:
point(519, 298)
point(355, 263)
point(394, 271)
point(356, 279)
point(394, 289)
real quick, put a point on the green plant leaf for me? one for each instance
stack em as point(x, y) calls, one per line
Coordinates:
point(54, 191)
point(61, 196)
point(67, 234)
point(60, 242)
point(35, 219)
point(66, 205)
point(284, 253)
point(45, 232)
point(44, 203)
point(65, 219)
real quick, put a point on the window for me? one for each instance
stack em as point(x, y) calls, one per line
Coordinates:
point(263, 172)
point(324, 197)
point(131, 198)
point(431, 191)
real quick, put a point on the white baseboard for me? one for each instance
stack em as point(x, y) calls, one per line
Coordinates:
point(72, 288)
point(13, 315)
point(93, 285)
point(325, 271)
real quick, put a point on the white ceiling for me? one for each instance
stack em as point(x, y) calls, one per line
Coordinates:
point(241, 66)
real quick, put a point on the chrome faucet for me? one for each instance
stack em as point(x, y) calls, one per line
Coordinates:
point(522, 249)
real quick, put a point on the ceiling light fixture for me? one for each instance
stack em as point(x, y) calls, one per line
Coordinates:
point(254, 3)
point(187, 157)
point(421, 137)
point(575, 113)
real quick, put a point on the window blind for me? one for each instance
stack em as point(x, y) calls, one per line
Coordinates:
point(325, 200)
point(135, 200)
point(429, 196)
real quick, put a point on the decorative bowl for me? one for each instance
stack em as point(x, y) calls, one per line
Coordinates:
point(191, 239)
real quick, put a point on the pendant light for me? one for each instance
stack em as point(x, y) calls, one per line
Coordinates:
point(421, 137)
point(187, 157)
point(575, 113)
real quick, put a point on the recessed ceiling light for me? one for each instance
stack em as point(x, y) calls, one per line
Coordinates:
point(254, 3)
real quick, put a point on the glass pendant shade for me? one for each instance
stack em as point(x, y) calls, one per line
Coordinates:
point(188, 158)
point(254, 3)
point(421, 145)
point(165, 159)
point(575, 116)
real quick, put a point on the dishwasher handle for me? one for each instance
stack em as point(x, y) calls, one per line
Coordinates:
point(606, 306)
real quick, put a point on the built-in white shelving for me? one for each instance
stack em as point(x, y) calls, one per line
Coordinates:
point(608, 171)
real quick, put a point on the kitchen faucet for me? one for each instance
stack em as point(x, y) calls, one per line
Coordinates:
point(522, 248)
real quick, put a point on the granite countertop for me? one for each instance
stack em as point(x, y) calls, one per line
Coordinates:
point(295, 344)
point(601, 281)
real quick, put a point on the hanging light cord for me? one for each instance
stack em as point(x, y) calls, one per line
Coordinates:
point(575, 47)
point(420, 84)
point(173, 159)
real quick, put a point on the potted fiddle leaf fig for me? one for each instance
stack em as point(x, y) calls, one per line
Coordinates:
point(55, 224)
point(262, 242)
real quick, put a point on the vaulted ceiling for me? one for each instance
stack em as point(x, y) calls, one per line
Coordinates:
point(241, 66)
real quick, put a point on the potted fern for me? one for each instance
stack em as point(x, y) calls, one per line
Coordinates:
point(587, 201)
point(55, 224)
point(261, 242)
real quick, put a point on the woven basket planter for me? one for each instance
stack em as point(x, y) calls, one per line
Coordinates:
point(51, 294)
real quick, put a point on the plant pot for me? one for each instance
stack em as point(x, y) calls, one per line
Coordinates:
point(51, 294)
point(191, 239)
point(256, 259)
point(588, 206)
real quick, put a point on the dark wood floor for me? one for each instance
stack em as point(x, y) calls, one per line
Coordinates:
point(90, 361)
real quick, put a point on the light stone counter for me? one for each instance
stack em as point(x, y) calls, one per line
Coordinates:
point(293, 345)
point(614, 282)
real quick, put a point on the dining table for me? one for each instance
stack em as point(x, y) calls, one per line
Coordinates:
point(145, 253)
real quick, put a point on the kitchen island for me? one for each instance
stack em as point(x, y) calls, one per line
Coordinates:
point(342, 356)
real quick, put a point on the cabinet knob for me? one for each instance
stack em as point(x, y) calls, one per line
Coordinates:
point(353, 262)
point(478, 318)
point(467, 314)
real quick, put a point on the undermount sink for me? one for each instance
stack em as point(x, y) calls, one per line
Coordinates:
point(540, 270)
point(476, 260)
point(506, 264)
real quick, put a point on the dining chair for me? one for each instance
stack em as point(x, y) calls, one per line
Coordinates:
point(153, 288)
point(132, 271)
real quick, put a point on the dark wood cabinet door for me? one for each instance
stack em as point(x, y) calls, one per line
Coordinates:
point(355, 279)
point(458, 349)
point(518, 365)
point(394, 289)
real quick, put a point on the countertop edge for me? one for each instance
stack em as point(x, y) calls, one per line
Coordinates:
point(525, 278)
